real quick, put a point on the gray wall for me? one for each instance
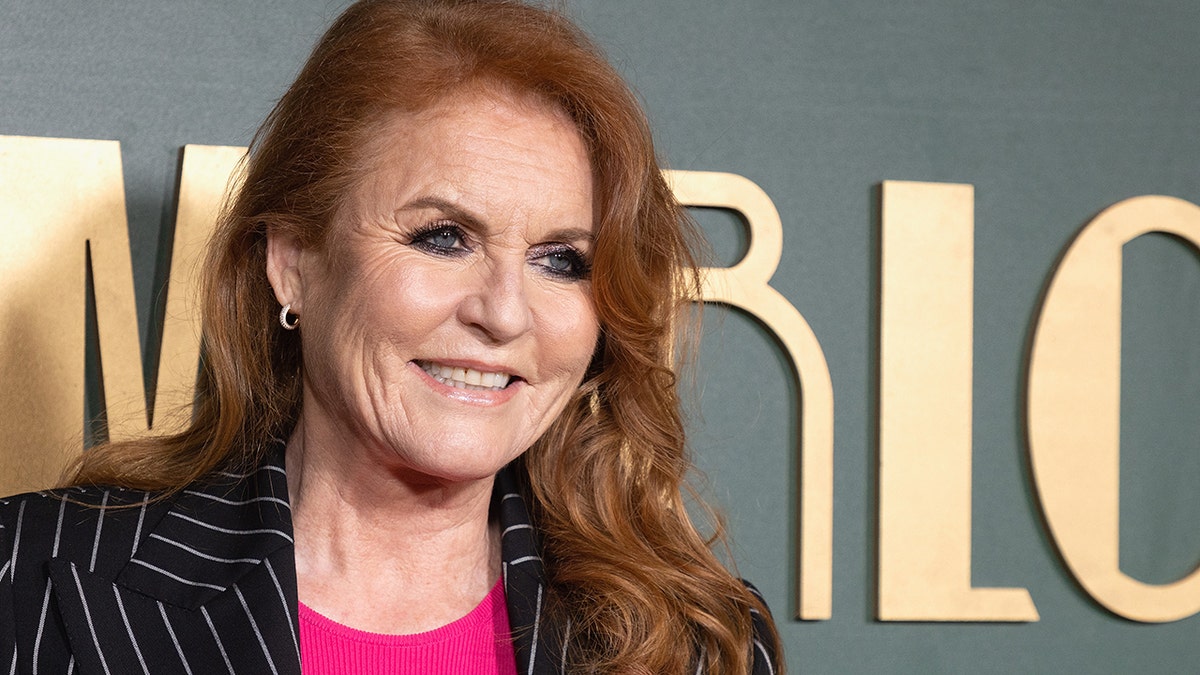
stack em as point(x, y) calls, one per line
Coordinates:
point(1053, 110)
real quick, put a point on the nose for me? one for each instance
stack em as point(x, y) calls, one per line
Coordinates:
point(498, 306)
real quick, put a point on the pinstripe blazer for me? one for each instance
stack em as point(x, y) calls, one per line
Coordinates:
point(202, 583)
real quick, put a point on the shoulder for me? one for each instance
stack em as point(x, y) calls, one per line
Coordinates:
point(93, 526)
point(94, 529)
point(765, 659)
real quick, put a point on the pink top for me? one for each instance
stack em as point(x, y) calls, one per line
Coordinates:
point(477, 643)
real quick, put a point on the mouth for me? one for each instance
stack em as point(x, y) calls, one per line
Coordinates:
point(467, 378)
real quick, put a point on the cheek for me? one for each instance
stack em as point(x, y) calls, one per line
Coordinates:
point(404, 298)
point(368, 315)
point(571, 329)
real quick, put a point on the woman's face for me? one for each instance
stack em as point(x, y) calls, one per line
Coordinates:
point(448, 318)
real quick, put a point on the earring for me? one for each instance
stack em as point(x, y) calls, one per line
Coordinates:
point(283, 318)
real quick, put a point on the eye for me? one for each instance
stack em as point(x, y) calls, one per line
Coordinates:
point(561, 261)
point(441, 239)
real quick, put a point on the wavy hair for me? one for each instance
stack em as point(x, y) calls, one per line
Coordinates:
point(642, 587)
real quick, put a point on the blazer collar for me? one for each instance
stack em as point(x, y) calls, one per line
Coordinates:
point(212, 535)
point(208, 548)
point(535, 637)
point(210, 585)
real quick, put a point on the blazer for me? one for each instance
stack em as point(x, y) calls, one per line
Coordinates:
point(204, 582)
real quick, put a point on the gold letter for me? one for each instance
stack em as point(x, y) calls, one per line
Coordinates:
point(61, 197)
point(206, 172)
point(64, 198)
point(925, 367)
point(746, 285)
point(1075, 407)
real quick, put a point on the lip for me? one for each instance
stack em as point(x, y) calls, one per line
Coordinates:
point(470, 396)
point(481, 366)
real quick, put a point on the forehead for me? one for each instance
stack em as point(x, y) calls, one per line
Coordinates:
point(485, 147)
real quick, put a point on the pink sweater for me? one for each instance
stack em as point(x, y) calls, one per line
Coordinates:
point(477, 643)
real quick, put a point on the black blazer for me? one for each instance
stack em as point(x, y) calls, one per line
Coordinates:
point(202, 583)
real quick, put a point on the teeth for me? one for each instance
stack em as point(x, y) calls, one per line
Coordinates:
point(465, 378)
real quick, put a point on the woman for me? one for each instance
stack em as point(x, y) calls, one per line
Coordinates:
point(436, 426)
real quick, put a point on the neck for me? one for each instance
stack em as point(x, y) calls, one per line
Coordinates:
point(381, 548)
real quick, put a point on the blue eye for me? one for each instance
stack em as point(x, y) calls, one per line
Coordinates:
point(441, 239)
point(563, 262)
point(560, 262)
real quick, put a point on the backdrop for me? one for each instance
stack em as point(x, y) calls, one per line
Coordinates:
point(1052, 110)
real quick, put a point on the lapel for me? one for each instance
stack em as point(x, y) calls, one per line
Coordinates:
point(210, 587)
point(535, 637)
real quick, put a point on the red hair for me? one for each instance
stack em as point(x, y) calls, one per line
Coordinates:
point(642, 587)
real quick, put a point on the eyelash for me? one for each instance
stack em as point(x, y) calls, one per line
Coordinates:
point(422, 239)
point(579, 268)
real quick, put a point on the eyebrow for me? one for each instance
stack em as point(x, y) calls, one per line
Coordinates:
point(475, 222)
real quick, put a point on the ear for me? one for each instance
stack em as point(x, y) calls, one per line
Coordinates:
point(283, 268)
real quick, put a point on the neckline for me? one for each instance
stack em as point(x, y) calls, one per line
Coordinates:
point(481, 615)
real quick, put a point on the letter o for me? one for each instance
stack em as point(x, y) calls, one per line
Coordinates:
point(1074, 408)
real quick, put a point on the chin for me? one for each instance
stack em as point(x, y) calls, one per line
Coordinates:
point(456, 465)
